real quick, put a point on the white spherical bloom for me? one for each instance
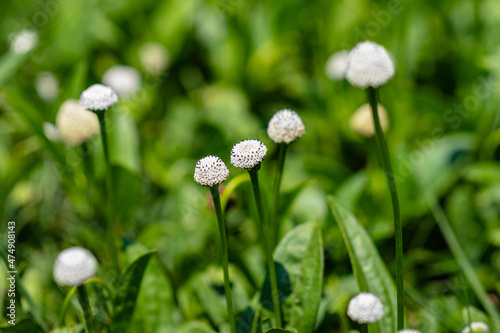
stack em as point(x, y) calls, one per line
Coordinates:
point(124, 80)
point(336, 65)
point(408, 331)
point(47, 86)
point(51, 132)
point(210, 171)
point(74, 266)
point(285, 126)
point(247, 154)
point(98, 97)
point(365, 308)
point(369, 65)
point(477, 327)
point(153, 57)
point(23, 41)
point(75, 124)
point(362, 123)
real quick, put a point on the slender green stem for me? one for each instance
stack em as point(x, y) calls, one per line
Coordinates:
point(463, 262)
point(276, 222)
point(467, 302)
point(364, 328)
point(254, 177)
point(223, 242)
point(109, 189)
point(84, 302)
point(87, 160)
point(371, 94)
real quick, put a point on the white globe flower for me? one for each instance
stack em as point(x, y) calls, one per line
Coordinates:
point(365, 308)
point(74, 266)
point(124, 80)
point(247, 154)
point(336, 65)
point(477, 327)
point(369, 65)
point(210, 171)
point(98, 97)
point(75, 124)
point(154, 57)
point(47, 86)
point(362, 123)
point(285, 126)
point(23, 41)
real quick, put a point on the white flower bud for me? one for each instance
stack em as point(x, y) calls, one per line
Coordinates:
point(51, 132)
point(74, 266)
point(369, 65)
point(75, 124)
point(23, 41)
point(336, 65)
point(365, 308)
point(477, 327)
point(124, 80)
point(285, 126)
point(210, 171)
point(247, 154)
point(47, 86)
point(362, 123)
point(98, 97)
point(154, 57)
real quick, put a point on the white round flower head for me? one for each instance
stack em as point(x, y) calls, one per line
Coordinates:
point(362, 123)
point(365, 308)
point(98, 97)
point(408, 331)
point(336, 65)
point(285, 126)
point(75, 124)
point(210, 171)
point(369, 65)
point(477, 327)
point(247, 154)
point(74, 266)
point(23, 41)
point(124, 80)
point(153, 57)
point(47, 86)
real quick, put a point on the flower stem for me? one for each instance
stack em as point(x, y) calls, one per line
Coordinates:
point(214, 190)
point(364, 328)
point(371, 94)
point(254, 177)
point(109, 189)
point(282, 148)
point(84, 302)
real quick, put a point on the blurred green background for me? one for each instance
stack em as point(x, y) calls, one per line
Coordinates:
point(232, 64)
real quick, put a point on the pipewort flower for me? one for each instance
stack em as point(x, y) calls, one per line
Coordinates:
point(477, 327)
point(210, 171)
point(125, 80)
point(336, 65)
point(361, 120)
point(369, 65)
point(365, 308)
point(76, 124)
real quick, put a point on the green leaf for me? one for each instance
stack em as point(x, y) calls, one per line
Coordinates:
point(369, 269)
point(24, 324)
point(9, 64)
point(277, 330)
point(300, 253)
point(128, 289)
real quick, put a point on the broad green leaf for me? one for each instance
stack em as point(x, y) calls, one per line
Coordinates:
point(299, 262)
point(128, 289)
point(369, 269)
point(124, 151)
